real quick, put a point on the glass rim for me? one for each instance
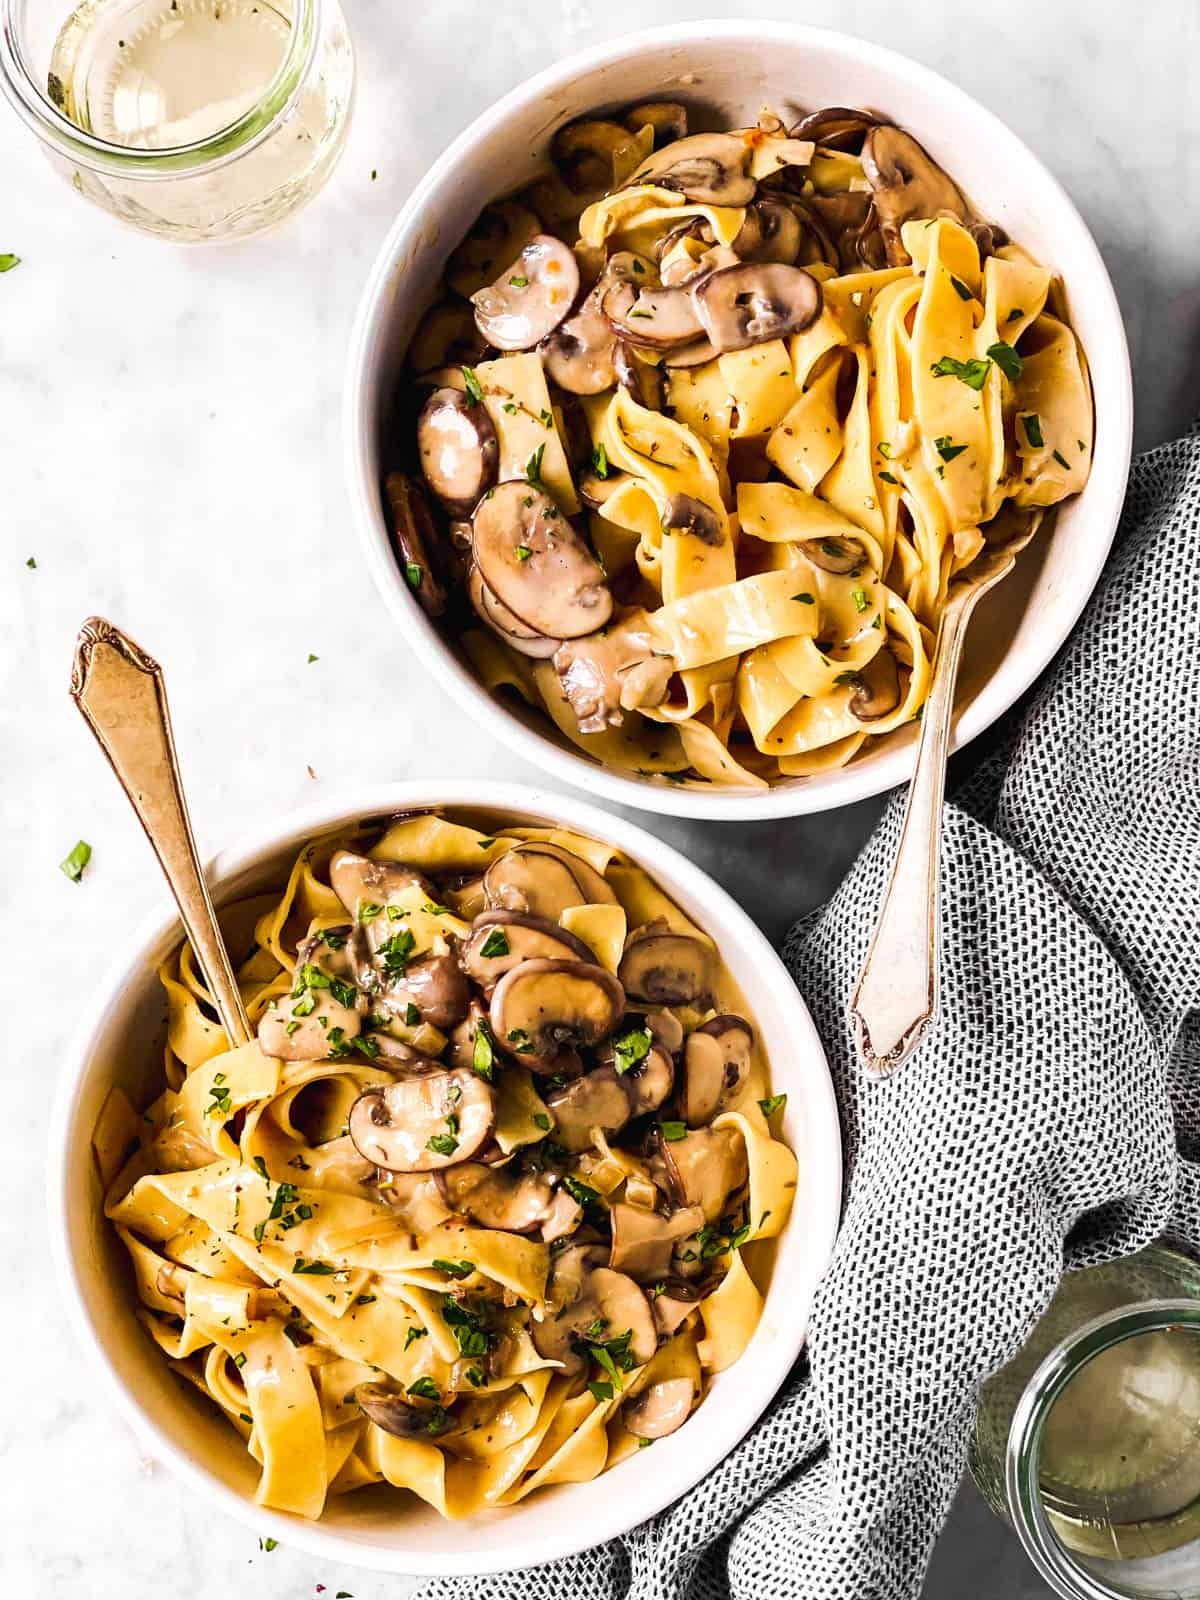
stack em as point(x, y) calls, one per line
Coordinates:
point(39, 113)
point(1030, 1521)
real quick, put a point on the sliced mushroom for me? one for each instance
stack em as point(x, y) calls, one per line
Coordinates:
point(584, 153)
point(683, 513)
point(415, 539)
point(499, 1197)
point(584, 1298)
point(458, 449)
point(594, 490)
point(598, 1099)
point(840, 556)
point(876, 691)
point(504, 623)
point(716, 1064)
point(658, 319)
point(643, 1242)
point(853, 223)
point(435, 985)
point(697, 354)
point(460, 1052)
point(772, 231)
point(447, 337)
point(835, 127)
point(549, 1006)
point(613, 671)
point(665, 968)
point(709, 168)
point(745, 305)
point(651, 1081)
point(543, 879)
point(356, 880)
point(563, 1217)
point(578, 355)
point(907, 183)
point(536, 563)
point(673, 1300)
point(501, 940)
point(659, 1409)
point(668, 118)
point(705, 1167)
point(500, 233)
point(423, 1123)
point(304, 1025)
point(388, 1409)
point(531, 297)
point(666, 1030)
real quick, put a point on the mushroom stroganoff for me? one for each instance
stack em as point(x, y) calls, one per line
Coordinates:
point(480, 1207)
point(705, 424)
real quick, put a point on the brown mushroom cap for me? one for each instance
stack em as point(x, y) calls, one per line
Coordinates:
point(503, 623)
point(458, 448)
point(659, 1409)
point(599, 1099)
point(544, 1007)
point(876, 691)
point(709, 168)
point(641, 379)
point(674, 1301)
point(394, 1413)
point(435, 985)
point(772, 231)
point(288, 1034)
point(659, 319)
point(683, 513)
point(512, 937)
point(356, 878)
point(543, 879)
point(578, 355)
point(840, 556)
point(666, 1030)
point(643, 1242)
point(665, 968)
point(499, 1197)
point(705, 1167)
point(497, 238)
point(651, 1081)
point(697, 354)
point(536, 563)
point(393, 1127)
point(415, 540)
point(748, 304)
point(586, 1294)
point(616, 670)
point(716, 1063)
point(531, 297)
point(835, 127)
point(907, 184)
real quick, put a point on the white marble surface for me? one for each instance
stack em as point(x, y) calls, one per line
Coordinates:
point(169, 456)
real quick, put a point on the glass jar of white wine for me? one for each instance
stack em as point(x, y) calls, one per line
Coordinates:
point(189, 119)
point(1089, 1441)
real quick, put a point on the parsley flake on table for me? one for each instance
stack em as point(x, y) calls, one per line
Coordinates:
point(8, 261)
point(73, 865)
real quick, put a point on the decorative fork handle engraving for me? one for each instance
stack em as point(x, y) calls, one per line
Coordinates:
point(121, 693)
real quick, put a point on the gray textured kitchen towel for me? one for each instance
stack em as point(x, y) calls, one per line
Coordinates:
point(1049, 1119)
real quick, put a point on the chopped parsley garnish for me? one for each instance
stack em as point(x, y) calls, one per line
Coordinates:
point(74, 864)
point(366, 1300)
point(600, 461)
point(582, 1194)
point(519, 280)
point(8, 261)
point(885, 449)
point(312, 658)
point(343, 992)
point(496, 944)
point(474, 387)
point(453, 1269)
point(413, 1335)
point(1062, 460)
point(546, 418)
point(394, 952)
point(600, 1391)
point(1032, 424)
point(533, 468)
point(510, 408)
point(314, 1269)
point(523, 552)
point(425, 1389)
point(468, 1327)
point(541, 1120)
point(973, 373)
point(772, 1104)
point(239, 1360)
point(718, 1239)
point(673, 1131)
point(335, 941)
point(519, 1039)
point(260, 1166)
point(961, 289)
point(368, 910)
point(1007, 359)
point(412, 1016)
point(1015, 314)
point(888, 477)
point(413, 573)
point(804, 599)
point(222, 1104)
point(947, 448)
point(31, 562)
point(483, 1054)
point(475, 1378)
point(844, 678)
point(631, 1048)
point(268, 1545)
point(859, 596)
point(442, 1144)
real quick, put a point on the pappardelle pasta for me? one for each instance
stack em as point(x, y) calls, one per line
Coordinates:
point(482, 1206)
point(707, 424)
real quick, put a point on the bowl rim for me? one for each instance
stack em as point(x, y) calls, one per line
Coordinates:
point(802, 797)
point(820, 1221)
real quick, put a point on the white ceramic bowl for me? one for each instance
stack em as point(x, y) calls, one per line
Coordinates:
point(736, 67)
point(120, 1040)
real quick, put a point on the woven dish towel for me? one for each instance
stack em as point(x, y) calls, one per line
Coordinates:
point(1050, 1118)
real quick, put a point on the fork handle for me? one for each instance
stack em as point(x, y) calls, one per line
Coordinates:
point(896, 996)
point(121, 693)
